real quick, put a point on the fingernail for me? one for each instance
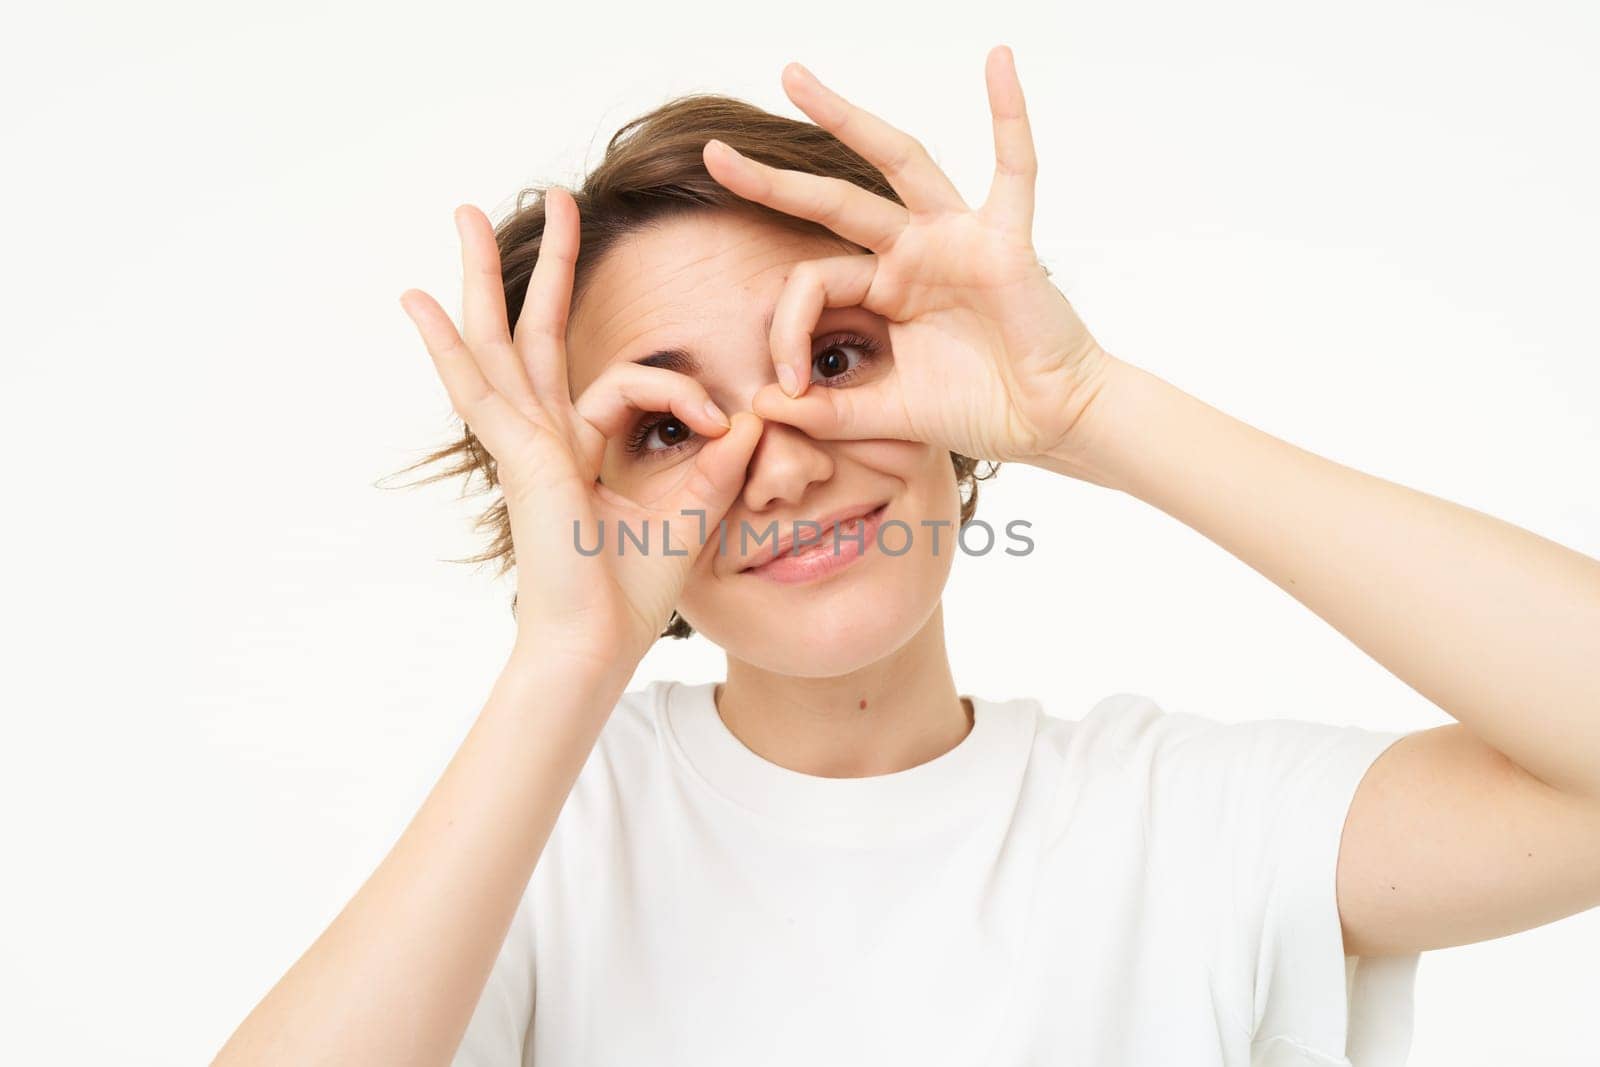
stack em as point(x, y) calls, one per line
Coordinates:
point(786, 379)
point(715, 414)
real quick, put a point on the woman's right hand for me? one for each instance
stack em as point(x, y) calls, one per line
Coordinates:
point(514, 395)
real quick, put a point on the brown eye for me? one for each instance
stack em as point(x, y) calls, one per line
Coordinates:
point(672, 431)
point(832, 362)
point(658, 436)
point(839, 362)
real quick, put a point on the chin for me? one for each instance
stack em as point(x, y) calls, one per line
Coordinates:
point(825, 652)
point(823, 629)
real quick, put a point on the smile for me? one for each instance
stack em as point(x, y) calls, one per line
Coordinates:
point(839, 544)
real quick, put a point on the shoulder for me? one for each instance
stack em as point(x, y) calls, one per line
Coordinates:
point(636, 716)
point(632, 734)
point(1210, 776)
point(1132, 731)
point(1118, 735)
point(627, 753)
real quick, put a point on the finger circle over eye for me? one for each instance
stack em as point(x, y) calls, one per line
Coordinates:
point(814, 284)
point(612, 401)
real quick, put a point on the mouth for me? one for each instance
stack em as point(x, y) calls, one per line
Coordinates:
point(843, 538)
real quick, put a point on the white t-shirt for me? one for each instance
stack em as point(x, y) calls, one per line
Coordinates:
point(1137, 887)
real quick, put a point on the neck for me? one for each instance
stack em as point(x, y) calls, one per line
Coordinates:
point(898, 712)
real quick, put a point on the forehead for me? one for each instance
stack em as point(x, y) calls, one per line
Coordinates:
point(692, 281)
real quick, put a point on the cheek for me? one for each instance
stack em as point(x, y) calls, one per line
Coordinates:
point(909, 461)
point(642, 479)
point(927, 472)
point(929, 490)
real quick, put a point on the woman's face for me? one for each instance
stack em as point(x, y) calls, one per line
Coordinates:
point(706, 284)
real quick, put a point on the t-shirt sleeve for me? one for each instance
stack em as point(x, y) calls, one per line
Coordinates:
point(1277, 793)
point(498, 1035)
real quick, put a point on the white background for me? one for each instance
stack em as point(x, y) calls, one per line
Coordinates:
point(235, 667)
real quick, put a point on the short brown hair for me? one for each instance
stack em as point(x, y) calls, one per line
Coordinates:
point(653, 170)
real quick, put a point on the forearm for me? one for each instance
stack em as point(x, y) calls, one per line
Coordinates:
point(395, 978)
point(1496, 625)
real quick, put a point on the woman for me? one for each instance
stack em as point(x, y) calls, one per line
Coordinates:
point(834, 855)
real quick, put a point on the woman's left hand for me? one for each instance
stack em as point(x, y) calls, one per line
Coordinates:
point(989, 358)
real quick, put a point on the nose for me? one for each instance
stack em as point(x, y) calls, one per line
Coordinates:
point(785, 464)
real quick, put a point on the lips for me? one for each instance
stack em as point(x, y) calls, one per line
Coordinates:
point(787, 539)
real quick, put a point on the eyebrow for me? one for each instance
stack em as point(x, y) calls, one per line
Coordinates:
point(675, 359)
point(682, 360)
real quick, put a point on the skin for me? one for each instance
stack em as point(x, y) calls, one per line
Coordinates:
point(801, 658)
point(1458, 833)
point(1471, 830)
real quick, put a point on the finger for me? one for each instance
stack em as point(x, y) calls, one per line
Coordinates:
point(492, 419)
point(483, 307)
point(717, 477)
point(541, 339)
point(903, 160)
point(1016, 165)
point(837, 281)
point(847, 413)
point(854, 213)
point(613, 401)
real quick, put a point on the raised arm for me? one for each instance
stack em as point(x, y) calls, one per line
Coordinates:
point(1461, 832)
point(396, 976)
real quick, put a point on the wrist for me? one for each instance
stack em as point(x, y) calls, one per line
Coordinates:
point(552, 692)
point(1100, 402)
point(1100, 449)
point(599, 666)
